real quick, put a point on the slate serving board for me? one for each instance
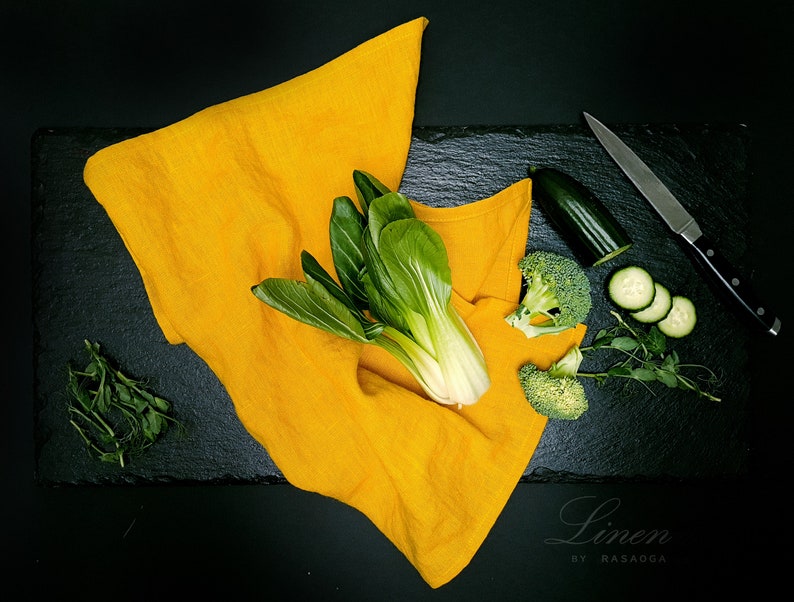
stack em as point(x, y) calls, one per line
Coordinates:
point(87, 287)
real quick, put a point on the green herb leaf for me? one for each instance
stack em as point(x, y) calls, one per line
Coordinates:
point(667, 378)
point(619, 370)
point(115, 415)
point(625, 343)
point(643, 374)
point(644, 358)
point(655, 341)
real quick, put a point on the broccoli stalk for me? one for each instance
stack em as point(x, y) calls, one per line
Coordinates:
point(557, 296)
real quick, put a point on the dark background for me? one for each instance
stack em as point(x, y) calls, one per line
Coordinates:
point(148, 64)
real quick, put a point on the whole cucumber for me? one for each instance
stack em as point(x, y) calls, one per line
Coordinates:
point(579, 216)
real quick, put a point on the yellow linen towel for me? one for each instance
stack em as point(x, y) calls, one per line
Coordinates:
point(213, 204)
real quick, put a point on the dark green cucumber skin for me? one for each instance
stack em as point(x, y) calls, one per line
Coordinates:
point(578, 215)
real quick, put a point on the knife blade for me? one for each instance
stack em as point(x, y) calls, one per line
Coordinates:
point(681, 222)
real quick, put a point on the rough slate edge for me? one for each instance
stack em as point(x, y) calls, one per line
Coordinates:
point(617, 439)
point(100, 296)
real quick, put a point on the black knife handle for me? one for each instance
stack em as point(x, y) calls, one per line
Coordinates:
point(735, 285)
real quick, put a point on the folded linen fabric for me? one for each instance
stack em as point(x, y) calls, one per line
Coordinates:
point(213, 204)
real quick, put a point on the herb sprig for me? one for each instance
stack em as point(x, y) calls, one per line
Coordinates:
point(645, 358)
point(116, 415)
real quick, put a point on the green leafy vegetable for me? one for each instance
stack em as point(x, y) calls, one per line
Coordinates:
point(394, 290)
point(116, 416)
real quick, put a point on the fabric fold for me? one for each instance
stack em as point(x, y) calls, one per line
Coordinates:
point(213, 204)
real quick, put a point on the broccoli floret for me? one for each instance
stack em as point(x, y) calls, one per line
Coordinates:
point(556, 392)
point(557, 297)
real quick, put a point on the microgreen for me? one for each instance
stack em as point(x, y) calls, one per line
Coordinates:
point(644, 357)
point(117, 416)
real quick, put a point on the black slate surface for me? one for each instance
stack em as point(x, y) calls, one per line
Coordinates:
point(87, 287)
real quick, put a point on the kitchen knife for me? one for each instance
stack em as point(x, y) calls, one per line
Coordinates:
point(685, 226)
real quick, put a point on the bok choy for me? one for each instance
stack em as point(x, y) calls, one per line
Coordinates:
point(394, 290)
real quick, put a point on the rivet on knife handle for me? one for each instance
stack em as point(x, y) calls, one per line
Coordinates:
point(713, 261)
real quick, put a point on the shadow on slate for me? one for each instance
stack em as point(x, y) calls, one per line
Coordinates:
point(86, 286)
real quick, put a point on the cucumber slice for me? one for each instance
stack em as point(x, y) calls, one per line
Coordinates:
point(658, 310)
point(632, 288)
point(680, 320)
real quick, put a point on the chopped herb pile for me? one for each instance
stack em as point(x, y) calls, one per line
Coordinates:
point(116, 415)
